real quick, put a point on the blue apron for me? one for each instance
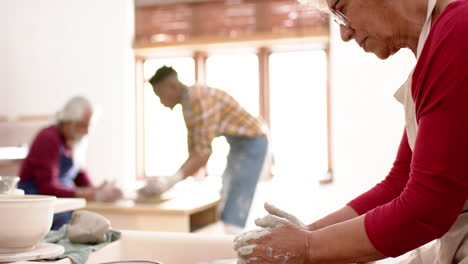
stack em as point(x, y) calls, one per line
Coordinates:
point(68, 173)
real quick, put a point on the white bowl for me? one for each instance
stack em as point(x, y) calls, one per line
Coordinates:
point(24, 221)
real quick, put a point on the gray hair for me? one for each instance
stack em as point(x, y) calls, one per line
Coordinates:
point(74, 109)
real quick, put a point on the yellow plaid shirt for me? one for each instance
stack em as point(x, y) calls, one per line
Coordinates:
point(210, 112)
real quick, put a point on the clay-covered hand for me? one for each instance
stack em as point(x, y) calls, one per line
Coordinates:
point(157, 185)
point(283, 239)
point(108, 193)
point(276, 213)
point(284, 244)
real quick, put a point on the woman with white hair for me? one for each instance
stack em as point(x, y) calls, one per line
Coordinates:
point(424, 196)
point(52, 166)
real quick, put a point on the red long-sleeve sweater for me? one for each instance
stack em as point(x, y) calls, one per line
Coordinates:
point(427, 188)
point(42, 164)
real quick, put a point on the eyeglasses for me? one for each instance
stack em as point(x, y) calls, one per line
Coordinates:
point(339, 17)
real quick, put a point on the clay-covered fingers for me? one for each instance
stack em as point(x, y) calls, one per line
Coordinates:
point(155, 186)
point(116, 194)
point(273, 210)
point(253, 254)
point(246, 250)
point(243, 240)
point(271, 221)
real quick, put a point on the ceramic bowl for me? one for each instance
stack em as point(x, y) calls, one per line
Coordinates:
point(24, 221)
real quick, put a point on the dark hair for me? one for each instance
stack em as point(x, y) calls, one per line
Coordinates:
point(161, 74)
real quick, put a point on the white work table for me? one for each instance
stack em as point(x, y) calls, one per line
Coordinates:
point(163, 247)
point(167, 248)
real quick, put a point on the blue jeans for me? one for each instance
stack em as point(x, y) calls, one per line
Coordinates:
point(244, 165)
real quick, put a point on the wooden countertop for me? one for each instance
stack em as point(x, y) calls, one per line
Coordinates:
point(69, 204)
point(186, 204)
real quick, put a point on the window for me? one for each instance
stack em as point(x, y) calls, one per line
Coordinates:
point(299, 113)
point(164, 130)
point(237, 74)
point(224, 59)
point(297, 107)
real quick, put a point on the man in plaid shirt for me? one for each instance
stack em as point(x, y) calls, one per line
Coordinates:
point(209, 113)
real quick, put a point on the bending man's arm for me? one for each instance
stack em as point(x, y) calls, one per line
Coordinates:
point(195, 162)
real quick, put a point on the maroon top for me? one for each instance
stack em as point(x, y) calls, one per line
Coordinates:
point(427, 188)
point(42, 164)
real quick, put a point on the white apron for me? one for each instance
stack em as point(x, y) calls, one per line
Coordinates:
point(453, 246)
point(403, 95)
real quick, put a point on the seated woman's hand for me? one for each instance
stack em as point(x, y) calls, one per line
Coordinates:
point(284, 239)
point(284, 244)
point(274, 211)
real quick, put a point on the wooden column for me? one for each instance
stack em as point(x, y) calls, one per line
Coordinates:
point(200, 78)
point(200, 66)
point(264, 97)
point(328, 177)
point(264, 82)
point(139, 118)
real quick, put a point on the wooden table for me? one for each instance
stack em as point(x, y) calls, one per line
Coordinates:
point(69, 204)
point(180, 214)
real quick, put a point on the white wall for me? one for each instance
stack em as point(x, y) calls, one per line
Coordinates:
point(368, 122)
point(51, 50)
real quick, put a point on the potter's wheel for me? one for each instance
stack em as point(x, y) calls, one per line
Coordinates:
point(41, 251)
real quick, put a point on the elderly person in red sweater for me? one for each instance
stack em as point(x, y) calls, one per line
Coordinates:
point(423, 197)
point(52, 166)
